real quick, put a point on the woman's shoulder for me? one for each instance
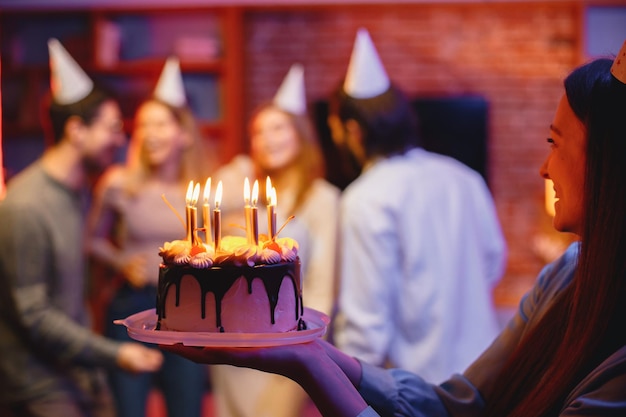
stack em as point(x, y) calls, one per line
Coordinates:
point(113, 182)
point(114, 177)
point(560, 272)
point(322, 186)
point(240, 166)
point(552, 279)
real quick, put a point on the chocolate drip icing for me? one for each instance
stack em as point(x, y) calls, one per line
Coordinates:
point(219, 279)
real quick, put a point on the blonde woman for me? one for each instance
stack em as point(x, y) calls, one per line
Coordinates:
point(130, 221)
point(283, 146)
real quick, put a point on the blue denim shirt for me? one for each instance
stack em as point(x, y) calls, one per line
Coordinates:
point(399, 393)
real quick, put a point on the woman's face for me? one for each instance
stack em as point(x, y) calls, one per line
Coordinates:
point(565, 166)
point(160, 134)
point(274, 140)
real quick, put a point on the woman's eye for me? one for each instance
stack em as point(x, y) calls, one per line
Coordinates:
point(550, 141)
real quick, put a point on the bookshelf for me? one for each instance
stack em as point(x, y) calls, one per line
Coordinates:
point(125, 50)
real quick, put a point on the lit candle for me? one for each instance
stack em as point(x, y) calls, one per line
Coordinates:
point(194, 216)
point(206, 209)
point(2, 184)
point(247, 209)
point(188, 198)
point(271, 208)
point(254, 218)
point(275, 202)
point(217, 218)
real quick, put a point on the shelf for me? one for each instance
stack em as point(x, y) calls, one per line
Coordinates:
point(155, 65)
point(124, 51)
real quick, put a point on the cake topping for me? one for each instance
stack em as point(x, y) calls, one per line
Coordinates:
point(252, 250)
point(234, 250)
point(201, 260)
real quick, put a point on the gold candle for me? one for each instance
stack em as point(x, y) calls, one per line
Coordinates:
point(217, 218)
point(247, 210)
point(206, 209)
point(194, 216)
point(188, 198)
point(271, 208)
point(254, 219)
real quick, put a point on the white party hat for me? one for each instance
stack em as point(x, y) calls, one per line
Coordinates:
point(68, 82)
point(366, 76)
point(170, 88)
point(291, 94)
point(618, 69)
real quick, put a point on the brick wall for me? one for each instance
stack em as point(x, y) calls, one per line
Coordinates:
point(515, 55)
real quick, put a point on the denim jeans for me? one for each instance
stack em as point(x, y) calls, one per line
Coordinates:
point(182, 382)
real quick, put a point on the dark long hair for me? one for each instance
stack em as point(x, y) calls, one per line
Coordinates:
point(388, 121)
point(587, 321)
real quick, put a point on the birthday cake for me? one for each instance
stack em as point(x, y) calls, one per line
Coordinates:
point(241, 287)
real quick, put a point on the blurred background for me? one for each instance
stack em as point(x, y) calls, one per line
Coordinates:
point(485, 77)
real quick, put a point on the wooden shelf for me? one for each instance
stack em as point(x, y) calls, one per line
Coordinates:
point(125, 50)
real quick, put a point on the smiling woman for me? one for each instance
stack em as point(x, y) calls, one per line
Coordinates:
point(564, 166)
point(284, 149)
point(129, 221)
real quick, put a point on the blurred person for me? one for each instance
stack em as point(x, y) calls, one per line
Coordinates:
point(564, 351)
point(128, 223)
point(51, 360)
point(421, 243)
point(284, 147)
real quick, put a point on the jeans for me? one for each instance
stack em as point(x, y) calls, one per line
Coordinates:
point(182, 382)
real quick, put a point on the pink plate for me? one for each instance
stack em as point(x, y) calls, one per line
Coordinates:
point(141, 326)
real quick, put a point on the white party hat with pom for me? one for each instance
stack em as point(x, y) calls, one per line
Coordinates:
point(291, 95)
point(68, 82)
point(366, 76)
point(170, 87)
point(618, 69)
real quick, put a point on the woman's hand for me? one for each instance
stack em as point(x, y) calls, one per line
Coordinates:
point(326, 374)
point(133, 268)
point(136, 358)
point(288, 361)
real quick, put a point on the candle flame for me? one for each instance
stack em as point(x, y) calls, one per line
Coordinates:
point(246, 191)
point(196, 194)
point(255, 193)
point(189, 194)
point(218, 195)
point(274, 197)
point(268, 190)
point(207, 190)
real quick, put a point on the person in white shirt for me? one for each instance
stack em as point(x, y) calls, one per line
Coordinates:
point(421, 244)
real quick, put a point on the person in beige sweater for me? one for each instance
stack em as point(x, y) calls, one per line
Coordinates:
point(284, 147)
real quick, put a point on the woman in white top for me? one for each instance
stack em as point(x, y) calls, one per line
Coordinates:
point(284, 147)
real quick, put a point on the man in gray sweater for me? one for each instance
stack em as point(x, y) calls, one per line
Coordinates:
point(50, 359)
